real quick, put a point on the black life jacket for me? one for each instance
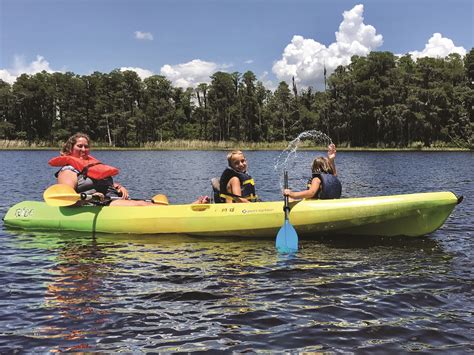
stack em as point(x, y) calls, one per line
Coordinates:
point(247, 185)
point(330, 188)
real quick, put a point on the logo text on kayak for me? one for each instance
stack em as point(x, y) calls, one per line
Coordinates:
point(24, 212)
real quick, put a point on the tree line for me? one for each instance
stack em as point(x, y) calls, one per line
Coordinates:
point(380, 100)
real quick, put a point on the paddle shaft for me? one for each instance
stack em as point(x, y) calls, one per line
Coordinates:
point(157, 199)
point(85, 197)
point(64, 195)
point(96, 200)
point(130, 199)
point(286, 206)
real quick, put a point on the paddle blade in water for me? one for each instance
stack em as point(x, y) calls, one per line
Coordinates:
point(61, 195)
point(287, 239)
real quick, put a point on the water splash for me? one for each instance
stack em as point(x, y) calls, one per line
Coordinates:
point(288, 158)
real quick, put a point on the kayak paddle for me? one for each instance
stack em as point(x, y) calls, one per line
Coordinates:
point(287, 239)
point(63, 195)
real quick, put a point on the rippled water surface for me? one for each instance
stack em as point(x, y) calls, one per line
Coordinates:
point(132, 293)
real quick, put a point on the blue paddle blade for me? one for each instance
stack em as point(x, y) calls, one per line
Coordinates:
point(287, 239)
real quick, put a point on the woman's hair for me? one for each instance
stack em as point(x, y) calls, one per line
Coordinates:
point(67, 147)
point(231, 154)
point(321, 165)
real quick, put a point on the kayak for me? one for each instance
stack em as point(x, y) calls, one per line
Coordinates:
point(396, 215)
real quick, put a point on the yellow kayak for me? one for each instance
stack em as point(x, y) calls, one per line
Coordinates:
point(397, 215)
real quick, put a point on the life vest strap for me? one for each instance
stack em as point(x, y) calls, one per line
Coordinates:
point(236, 198)
point(249, 181)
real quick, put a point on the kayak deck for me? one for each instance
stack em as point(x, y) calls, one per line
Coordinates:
point(395, 215)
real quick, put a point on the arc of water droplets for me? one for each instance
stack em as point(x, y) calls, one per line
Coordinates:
point(287, 158)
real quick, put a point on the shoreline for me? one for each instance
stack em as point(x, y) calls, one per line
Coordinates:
point(358, 149)
point(189, 145)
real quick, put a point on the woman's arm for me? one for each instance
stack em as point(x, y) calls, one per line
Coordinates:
point(315, 184)
point(68, 177)
point(121, 190)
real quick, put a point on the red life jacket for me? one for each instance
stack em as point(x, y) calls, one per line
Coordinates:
point(91, 167)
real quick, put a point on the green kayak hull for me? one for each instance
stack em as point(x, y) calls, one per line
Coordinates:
point(397, 215)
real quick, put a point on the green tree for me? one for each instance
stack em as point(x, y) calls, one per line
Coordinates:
point(282, 111)
point(250, 108)
point(158, 109)
point(202, 112)
point(7, 123)
point(222, 98)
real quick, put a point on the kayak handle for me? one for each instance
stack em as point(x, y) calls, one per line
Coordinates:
point(200, 208)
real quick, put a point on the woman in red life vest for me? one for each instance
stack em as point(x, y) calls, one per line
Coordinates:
point(86, 174)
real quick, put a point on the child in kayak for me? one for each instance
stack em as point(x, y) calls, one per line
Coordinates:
point(324, 183)
point(235, 184)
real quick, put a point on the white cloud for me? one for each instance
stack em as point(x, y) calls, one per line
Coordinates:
point(267, 82)
point(6, 76)
point(142, 73)
point(249, 61)
point(438, 47)
point(305, 58)
point(192, 73)
point(147, 36)
point(20, 67)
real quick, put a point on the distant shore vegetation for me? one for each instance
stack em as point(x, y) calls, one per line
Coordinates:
point(380, 101)
point(180, 144)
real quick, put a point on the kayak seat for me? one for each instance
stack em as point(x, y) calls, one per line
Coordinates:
point(216, 190)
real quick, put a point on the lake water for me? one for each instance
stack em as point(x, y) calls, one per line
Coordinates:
point(129, 293)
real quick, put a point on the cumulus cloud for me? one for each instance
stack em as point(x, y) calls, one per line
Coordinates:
point(20, 67)
point(192, 73)
point(438, 47)
point(305, 58)
point(146, 36)
point(249, 61)
point(6, 76)
point(267, 82)
point(142, 73)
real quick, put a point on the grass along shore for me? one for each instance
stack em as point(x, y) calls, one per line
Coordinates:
point(222, 145)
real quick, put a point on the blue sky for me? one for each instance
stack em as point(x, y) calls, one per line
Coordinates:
point(188, 40)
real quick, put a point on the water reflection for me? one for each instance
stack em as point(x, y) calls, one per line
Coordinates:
point(74, 293)
point(180, 293)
